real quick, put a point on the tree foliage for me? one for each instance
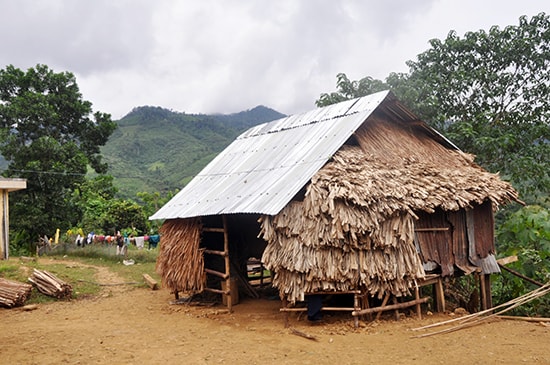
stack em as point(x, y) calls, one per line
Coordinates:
point(348, 89)
point(526, 234)
point(50, 137)
point(489, 93)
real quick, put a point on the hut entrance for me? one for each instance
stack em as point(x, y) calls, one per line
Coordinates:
point(215, 243)
point(230, 245)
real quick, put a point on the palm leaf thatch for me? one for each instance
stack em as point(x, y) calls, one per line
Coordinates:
point(180, 262)
point(355, 225)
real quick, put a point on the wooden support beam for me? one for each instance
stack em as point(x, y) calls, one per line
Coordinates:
point(217, 273)
point(213, 229)
point(215, 252)
point(384, 302)
point(217, 291)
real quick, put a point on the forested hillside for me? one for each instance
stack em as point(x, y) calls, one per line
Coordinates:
point(155, 149)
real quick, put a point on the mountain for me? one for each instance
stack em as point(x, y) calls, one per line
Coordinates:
point(155, 149)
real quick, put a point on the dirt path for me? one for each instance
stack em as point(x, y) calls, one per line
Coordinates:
point(128, 325)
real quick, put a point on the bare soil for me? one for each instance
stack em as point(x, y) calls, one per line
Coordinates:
point(129, 325)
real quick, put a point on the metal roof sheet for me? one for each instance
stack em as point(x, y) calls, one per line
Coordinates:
point(266, 166)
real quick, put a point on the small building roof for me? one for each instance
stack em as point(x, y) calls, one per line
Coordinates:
point(11, 184)
point(266, 166)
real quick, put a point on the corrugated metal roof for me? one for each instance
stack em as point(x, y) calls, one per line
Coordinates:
point(266, 166)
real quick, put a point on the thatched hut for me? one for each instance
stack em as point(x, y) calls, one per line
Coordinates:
point(358, 197)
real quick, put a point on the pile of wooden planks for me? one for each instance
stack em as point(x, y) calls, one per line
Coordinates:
point(13, 293)
point(50, 285)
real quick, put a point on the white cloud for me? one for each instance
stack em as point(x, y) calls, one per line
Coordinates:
point(226, 56)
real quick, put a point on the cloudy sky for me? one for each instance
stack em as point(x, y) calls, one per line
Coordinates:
point(225, 56)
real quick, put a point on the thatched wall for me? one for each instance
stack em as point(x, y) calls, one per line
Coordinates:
point(180, 262)
point(355, 226)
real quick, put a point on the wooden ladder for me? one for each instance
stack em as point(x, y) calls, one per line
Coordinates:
point(226, 275)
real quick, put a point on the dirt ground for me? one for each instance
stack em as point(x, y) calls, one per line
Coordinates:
point(129, 325)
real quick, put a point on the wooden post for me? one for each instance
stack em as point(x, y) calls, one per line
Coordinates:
point(285, 315)
point(384, 302)
point(396, 311)
point(227, 265)
point(356, 306)
point(439, 295)
point(417, 297)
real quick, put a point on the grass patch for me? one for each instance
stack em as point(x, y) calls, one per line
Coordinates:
point(82, 278)
point(76, 276)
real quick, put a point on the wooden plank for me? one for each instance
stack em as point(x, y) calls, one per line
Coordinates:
point(152, 283)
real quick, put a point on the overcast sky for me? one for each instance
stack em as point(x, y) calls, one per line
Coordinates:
point(225, 56)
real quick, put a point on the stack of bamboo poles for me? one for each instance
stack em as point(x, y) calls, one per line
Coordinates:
point(180, 262)
point(13, 293)
point(495, 312)
point(49, 284)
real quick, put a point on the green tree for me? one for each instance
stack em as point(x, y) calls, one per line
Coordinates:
point(152, 202)
point(489, 93)
point(92, 198)
point(348, 89)
point(120, 214)
point(50, 137)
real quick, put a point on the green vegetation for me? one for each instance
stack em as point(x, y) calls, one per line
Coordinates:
point(526, 234)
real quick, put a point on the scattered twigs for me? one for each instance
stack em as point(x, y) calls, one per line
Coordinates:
point(13, 293)
point(473, 319)
point(49, 284)
point(303, 334)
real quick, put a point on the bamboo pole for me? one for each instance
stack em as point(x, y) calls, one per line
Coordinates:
point(526, 319)
point(471, 320)
point(390, 307)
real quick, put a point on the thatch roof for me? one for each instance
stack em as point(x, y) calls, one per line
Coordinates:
point(355, 225)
